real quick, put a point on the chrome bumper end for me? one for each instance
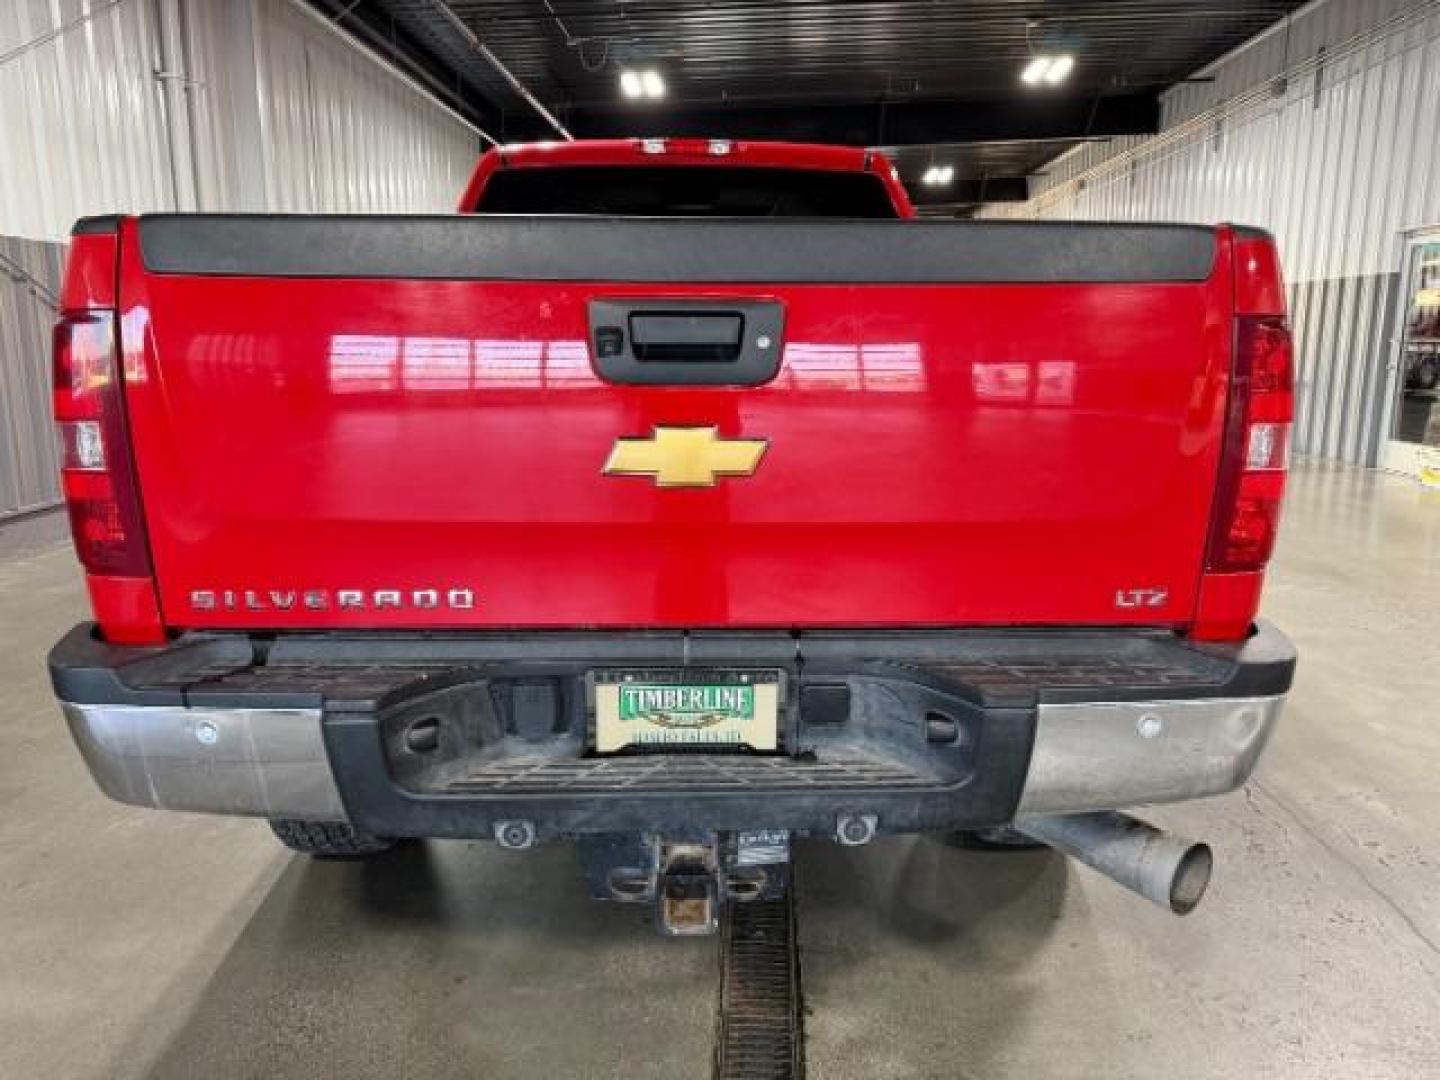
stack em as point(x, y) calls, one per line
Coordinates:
point(1112, 755)
point(260, 762)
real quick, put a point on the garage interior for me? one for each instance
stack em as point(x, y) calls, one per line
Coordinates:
point(139, 944)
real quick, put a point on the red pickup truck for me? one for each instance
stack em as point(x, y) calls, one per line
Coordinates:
point(676, 497)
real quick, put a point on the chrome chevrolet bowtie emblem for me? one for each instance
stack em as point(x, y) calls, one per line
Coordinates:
point(684, 456)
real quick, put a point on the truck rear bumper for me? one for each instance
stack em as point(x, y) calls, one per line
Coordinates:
point(917, 731)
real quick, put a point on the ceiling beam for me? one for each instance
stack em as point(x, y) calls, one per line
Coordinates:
point(891, 123)
point(458, 25)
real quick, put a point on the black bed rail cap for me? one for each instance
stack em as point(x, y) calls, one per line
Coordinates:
point(664, 250)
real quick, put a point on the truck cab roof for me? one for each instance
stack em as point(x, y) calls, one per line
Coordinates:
point(861, 183)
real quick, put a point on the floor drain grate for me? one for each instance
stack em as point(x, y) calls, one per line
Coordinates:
point(760, 1030)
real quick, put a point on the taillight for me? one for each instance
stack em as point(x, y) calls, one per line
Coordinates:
point(1257, 446)
point(95, 470)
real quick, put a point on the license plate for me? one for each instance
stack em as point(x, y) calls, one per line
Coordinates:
point(689, 708)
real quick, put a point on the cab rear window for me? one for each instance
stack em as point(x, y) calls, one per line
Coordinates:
point(685, 191)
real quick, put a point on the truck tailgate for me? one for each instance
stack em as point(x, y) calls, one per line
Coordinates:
point(397, 422)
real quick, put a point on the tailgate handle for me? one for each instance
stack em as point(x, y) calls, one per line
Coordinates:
point(686, 342)
point(686, 336)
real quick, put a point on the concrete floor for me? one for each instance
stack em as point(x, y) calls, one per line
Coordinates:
point(141, 944)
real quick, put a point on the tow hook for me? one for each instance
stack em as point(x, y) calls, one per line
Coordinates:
point(689, 879)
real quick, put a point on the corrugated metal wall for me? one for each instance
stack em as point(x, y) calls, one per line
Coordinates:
point(29, 283)
point(341, 139)
point(258, 104)
point(81, 129)
point(1326, 131)
point(145, 105)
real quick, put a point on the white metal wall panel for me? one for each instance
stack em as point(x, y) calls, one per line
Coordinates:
point(343, 133)
point(84, 127)
point(1337, 155)
point(1289, 43)
point(80, 118)
point(258, 104)
point(222, 92)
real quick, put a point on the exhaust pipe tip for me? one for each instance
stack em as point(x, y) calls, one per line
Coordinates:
point(1170, 870)
point(1192, 878)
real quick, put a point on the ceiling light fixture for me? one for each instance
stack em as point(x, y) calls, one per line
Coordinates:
point(642, 84)
point(1050, 70)
point(1060, 68)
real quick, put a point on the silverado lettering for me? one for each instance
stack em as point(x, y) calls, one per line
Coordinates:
point(326, 599)
point(767, 550)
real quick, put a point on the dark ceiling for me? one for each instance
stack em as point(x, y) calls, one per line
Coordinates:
point(935, 81)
